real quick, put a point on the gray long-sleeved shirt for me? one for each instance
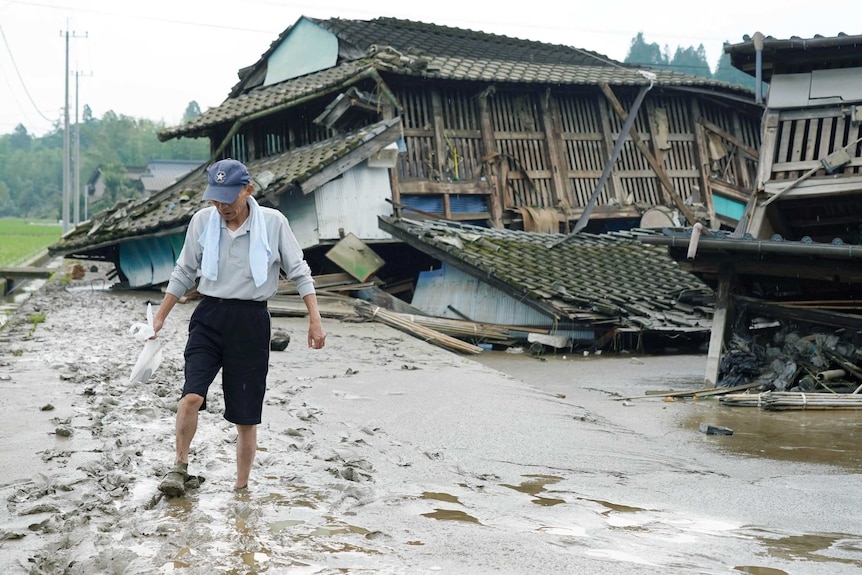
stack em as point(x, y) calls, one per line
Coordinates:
point(234, 272)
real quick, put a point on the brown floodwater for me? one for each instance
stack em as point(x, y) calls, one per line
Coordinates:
point(828, 437)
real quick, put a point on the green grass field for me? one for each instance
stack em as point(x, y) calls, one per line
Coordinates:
point(22, 239)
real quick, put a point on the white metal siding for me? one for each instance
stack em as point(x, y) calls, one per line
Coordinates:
point(302, 215)
point(352, 203)
point(306, 49)
point(479, 301)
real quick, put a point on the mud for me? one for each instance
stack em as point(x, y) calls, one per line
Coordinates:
point(384, 454)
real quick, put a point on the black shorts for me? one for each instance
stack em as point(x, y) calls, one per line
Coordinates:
point(231, 335)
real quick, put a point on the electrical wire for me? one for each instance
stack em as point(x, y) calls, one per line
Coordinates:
point(20, 78)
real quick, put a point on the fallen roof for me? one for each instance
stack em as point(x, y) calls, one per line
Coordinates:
point(607, 278)
point(403, 47)
point(169, 211)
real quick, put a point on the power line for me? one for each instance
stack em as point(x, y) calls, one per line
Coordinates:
point(20, 78)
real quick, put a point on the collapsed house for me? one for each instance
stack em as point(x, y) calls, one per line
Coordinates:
point(344, 122)
point(788, 279)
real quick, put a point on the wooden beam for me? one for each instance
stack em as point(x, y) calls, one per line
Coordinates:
point(742, 146)
point(387, 112)
point(821, 317)
point(652, 118)
point(491, 160)
point(556, 156)
point(702, 151)
point(425, 187)
point(767, 150)
point(439, 135)
point(720, 318)
point(349, 160)
point(608, 140)
point(659, 170)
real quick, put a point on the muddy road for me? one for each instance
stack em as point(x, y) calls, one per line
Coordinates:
point(383, 454)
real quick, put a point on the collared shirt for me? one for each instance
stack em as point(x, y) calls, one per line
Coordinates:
point(234, 272)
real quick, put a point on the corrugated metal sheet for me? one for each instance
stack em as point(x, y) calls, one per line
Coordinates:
point(438, 289)
point(150, 261)
point(352, 203)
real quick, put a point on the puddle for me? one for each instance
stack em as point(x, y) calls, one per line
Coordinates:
point(440, 497)
point(816, 547)
point(451, 515)
point(339, 529)
point(616, 507)
point(820, 437)
point(535, 485)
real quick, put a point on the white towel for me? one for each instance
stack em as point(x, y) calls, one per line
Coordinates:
point(258, 245)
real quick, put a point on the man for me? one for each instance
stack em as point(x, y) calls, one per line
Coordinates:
point(238, 248)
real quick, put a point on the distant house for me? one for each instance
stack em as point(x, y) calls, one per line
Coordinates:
point(159, 174)
point(343, 122)
point(95, 186)
point(797, 251)
point(155, 176)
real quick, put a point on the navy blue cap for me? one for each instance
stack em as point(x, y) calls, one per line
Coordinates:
point(226, 178)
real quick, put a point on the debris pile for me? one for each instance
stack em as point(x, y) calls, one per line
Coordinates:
point(794, 357)
point(794, 366)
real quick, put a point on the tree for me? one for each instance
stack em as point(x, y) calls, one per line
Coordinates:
point(646, 54)
point(21, 139)
point(726, 72)
point(691, 61)
point(31, 168)
point(193, 110)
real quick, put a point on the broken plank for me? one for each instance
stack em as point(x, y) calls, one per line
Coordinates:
point(707, 392)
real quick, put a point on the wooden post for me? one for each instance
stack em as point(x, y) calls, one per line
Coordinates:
point(719, 324)
point(657, 152)
point(702, 152)
point(744, 180)
point(387, 112)
point(557, 160)
point(752, 219)
point(496, 176)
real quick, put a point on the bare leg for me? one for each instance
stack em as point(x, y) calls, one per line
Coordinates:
point(246, 447)
point(173, 485)
point(187, 424)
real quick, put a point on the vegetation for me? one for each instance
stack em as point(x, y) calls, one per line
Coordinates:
point(22, 239)
point(31, 168)
point(689, 60)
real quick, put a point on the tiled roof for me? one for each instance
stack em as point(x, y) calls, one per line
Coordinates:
point(261, 99)
point(607, 278)
point(420, 38)
point(172, 208)
point(162, 173)
point(431, 51)
point(795, 54)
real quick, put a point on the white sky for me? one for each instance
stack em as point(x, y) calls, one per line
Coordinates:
point(150, 59)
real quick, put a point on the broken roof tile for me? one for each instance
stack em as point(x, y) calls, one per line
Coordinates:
point(609, 274)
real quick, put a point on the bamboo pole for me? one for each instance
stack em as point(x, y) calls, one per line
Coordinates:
point(391, 319)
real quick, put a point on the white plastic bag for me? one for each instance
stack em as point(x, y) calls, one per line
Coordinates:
point(151, 356)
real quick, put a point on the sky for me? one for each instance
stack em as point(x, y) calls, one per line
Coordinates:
point(151, 59)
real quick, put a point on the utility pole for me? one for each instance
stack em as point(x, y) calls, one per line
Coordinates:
point(78, 191)
point(77, 157)
point(67, 142)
